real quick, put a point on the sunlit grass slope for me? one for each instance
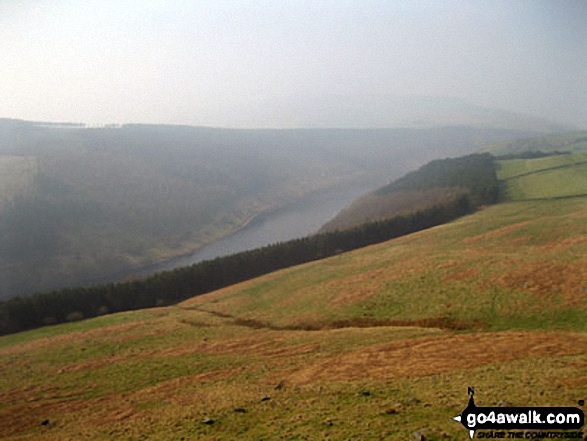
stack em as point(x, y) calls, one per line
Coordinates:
point(374, 344)
point(512, 168)
point(548, 177)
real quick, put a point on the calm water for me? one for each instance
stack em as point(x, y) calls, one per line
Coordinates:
point(300, 219)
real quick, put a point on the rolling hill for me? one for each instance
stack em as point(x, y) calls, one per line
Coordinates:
point(383, 111)
point(557, 176)
point(378, 343)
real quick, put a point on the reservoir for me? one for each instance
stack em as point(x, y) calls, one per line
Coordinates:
point(302, 218)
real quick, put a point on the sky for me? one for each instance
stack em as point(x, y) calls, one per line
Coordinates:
point(216, 62)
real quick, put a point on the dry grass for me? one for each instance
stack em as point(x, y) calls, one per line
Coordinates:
point(561, 282)
point(374, 206)
point(494, 234)
point(432, 355)
point(495, 300)
point(420, 373)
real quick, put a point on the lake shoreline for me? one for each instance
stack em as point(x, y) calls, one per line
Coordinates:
point(310, 205)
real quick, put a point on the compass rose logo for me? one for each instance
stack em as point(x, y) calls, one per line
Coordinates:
point(470, 409)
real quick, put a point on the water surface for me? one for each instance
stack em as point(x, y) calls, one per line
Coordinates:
point(302, 218)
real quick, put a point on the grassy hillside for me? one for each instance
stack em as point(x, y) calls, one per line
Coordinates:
point(487, 270)
point(436, 183)
point(543, 178)
point(512, 168)
point(520, 160)
point(91, 205)
point(378, 343)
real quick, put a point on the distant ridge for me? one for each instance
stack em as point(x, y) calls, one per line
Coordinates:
point(561, 142)
point(386, 111)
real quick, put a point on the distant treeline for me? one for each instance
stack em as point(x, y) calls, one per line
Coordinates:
point(474, 172)
point(170, 287)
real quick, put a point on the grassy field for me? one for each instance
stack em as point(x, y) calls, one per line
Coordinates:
point(379, 343)
point(485, 270)
point(515, 167)
point(548, 177)
point(374, 344)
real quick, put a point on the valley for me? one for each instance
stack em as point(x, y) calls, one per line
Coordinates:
point(293, 221)
point(377, 343)
point(94, 205)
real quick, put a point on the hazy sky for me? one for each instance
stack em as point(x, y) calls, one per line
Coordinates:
point(206, 62)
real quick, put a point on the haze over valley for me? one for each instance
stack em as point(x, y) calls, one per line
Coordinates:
point(83, 206)
point(246, 108)
point(290, 220)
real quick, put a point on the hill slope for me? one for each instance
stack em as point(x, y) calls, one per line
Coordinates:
point(378, 343)
point(508, 266)
point(567, 142)
point(432, 184)
point(556, 176)
point(436, 183)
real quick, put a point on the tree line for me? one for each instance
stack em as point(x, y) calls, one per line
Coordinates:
point(170, 287)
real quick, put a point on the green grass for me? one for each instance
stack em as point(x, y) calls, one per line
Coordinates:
point(514, 167)
point(166, 377)
point(560, 182)
point(483, 268)
point(75, 327)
